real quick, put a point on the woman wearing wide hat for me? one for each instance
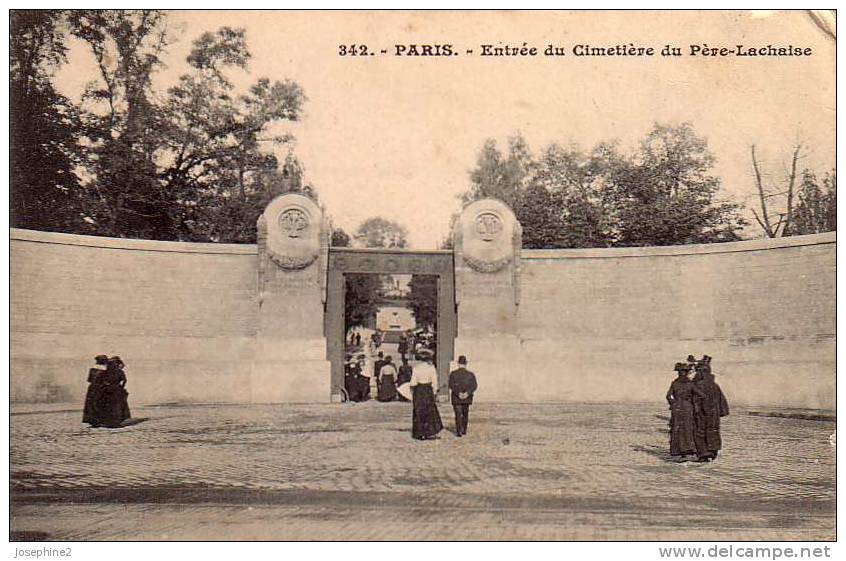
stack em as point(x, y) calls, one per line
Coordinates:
point(88, 410)
point(387, 390)
point(111, 405)
point(680, 398)
point(426, 420)
point(709, 404)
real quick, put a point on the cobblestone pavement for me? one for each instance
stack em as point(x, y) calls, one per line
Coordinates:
point(327, 472)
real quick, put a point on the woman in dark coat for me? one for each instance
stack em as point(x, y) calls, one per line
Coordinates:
point(680, 398)
point(111, 405)
point(387, 390)
point(426, 420)
point(404, 376)
point(709, 404)
point(88, 414)
point(358, 383)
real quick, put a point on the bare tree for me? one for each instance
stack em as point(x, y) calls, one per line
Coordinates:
point(785, 218)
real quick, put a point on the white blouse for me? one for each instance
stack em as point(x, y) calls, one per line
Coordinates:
point(424, 373)
point(388, 370)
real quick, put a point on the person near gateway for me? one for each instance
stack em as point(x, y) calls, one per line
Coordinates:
point(88, 410)
point(377, 368)
point(404, 376)
point(402, 346)
point(709, 404)
point(387, 390)
point(425, 419)
point(462, 385)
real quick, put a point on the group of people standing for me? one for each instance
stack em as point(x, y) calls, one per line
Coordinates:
point(385, 374)
point(696, 406)
point(106, 403)
point(422, 380)
point(425, 419)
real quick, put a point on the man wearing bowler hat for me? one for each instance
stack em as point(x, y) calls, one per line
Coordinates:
point(462, 384)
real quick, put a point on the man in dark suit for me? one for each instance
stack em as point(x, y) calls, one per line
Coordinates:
point(462, 384)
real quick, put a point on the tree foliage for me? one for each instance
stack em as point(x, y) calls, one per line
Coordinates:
point(361, 299)
point(423, 300)
point(662, 194)
point(667, 194)
point(44, 191)
point(381, 232)
point(817, 209)
point(193, 163)
point(214, 138)
point(340, 238)
point(122, 123)
point(790, 205)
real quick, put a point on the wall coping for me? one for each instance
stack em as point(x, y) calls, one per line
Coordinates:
point(678, 250)
point(36, 236)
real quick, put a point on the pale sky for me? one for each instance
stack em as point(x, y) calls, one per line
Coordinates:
point(397, 136)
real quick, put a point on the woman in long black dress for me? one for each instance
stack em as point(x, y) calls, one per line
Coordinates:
point(88, 410)
point(387, 390)
point(404, 376)
point(680, 398)
point(426, 420)
point(709, 404)
point(111, 405)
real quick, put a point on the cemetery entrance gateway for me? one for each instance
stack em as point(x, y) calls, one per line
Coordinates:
point(298, 351)
point(388, 262)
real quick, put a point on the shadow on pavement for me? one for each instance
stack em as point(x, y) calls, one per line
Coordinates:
point(28, 536)
point(134, 421)
point(655, 451)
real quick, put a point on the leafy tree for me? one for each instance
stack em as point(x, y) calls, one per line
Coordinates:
point(363, 290)
point(122, 125)
point(792, 205)
point(44, 190)
point(500, 176)
point(666, 194)
point(340, 238)
point(361, 300)
point(217, 166)
point(663, 194)
point(423, 300)
point(381, 232)
point(817, 208)
point(192, 166)
point(563, 204)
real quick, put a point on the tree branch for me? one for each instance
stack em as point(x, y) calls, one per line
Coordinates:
point(760, 185)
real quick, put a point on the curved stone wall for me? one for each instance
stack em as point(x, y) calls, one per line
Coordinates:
point(599, 325)
point(608, 324)
point(181, 316)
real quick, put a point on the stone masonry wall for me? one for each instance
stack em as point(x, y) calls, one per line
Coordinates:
point(608, 325)
point(181, 316)
point(594, 325)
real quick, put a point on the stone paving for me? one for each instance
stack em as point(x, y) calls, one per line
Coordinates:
point(353, 472)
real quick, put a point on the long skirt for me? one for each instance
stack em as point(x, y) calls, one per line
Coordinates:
point(111, 406)
point(359, 386)
point(682, 434)
point(387, 389)
point(426, 420)
point(88, 411)
point(707, 430)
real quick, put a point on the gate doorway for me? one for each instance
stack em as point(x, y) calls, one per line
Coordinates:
point(346, 262)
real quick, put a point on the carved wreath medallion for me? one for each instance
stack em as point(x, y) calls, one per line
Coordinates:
point(484, 266)
point(488, 226)
point(292, 222)
point(292, 262)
